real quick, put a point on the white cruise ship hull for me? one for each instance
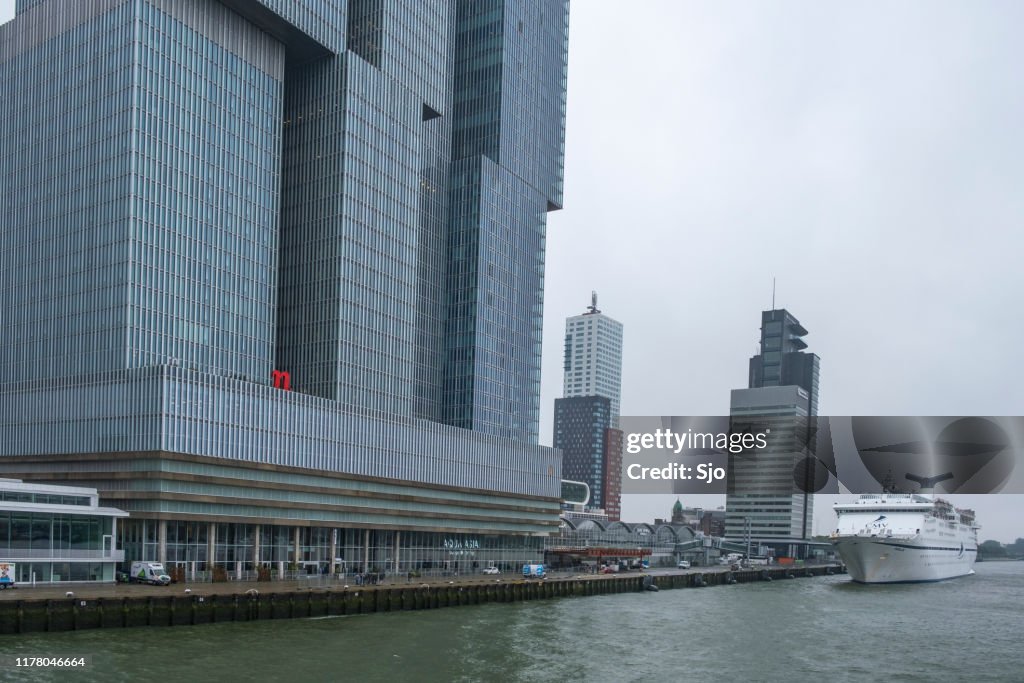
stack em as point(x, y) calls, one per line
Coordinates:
point(884, 560)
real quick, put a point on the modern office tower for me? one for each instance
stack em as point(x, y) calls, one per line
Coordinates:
point(273, 271)
point(593, 357)
point(765, 503)
point(591, 449)
point(782, 361)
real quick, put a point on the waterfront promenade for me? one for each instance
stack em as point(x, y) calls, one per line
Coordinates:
point(123, 606)
point(323, 582)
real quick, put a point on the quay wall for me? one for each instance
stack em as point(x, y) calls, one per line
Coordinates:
point(262, 602)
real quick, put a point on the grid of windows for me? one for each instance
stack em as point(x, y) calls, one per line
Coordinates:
point(509, 57)
point(144, 190)
point(495, 284)
point(354, 550)
point(175, 409)
point(43, 498)
point(348, 261)
point(762, 489)
point(580, 432)
point(593, 358)
point(203, 240)
point(322, 20)
point(193, 206)
point(66, 163)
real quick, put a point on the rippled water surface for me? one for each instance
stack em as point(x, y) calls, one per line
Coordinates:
point(820, 629)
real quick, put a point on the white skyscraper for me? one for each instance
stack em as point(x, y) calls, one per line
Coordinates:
point(593, 357)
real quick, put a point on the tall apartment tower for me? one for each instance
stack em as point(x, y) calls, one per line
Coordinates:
point(591, 449)
point(765, 503)
point(293, 233)
point(593, 357)
point(587, 418)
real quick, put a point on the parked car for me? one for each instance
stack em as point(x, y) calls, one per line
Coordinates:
point(683, 564)
point(491, 570)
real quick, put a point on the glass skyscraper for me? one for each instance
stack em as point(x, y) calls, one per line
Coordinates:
point(282, 260)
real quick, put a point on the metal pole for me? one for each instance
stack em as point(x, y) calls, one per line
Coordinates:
point(746, 533)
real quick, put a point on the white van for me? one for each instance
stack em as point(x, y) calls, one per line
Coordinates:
point(149, 572)
point(7, 575)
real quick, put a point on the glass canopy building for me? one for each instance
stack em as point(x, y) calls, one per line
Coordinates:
point(274, 270)
point(57, 533)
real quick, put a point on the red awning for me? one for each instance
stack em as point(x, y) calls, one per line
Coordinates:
point(601, 552)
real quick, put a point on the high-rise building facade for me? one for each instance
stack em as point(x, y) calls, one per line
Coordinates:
point(611, 478)
point(591, 449)
point(593, 357)
point(587, 418)
point(782, 361)
point(766, 503)
point(282, 245)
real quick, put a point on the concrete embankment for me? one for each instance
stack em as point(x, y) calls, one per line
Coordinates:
point(263, 602)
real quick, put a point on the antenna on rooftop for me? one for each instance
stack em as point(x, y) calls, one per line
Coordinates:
point(592, 308)
point(773, 293)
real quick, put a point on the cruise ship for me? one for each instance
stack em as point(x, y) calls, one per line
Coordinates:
point(902, 538)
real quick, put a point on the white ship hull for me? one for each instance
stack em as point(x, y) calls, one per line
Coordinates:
point(873, 560)
point(905, 538)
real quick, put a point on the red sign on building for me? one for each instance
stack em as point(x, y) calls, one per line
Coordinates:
point(282, 380)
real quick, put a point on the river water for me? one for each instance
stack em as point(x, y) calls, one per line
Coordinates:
point(818, 629)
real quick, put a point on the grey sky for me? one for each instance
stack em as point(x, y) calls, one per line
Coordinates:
point(868, 155)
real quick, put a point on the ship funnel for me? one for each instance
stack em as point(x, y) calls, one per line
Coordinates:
point(927, 484)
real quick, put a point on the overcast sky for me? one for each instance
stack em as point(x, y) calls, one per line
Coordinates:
point(869, 156)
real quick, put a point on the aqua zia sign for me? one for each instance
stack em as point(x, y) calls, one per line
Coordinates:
point(458, 546)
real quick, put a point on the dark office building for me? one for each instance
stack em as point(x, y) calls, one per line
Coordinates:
point(782, 361)
point(591, 449)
